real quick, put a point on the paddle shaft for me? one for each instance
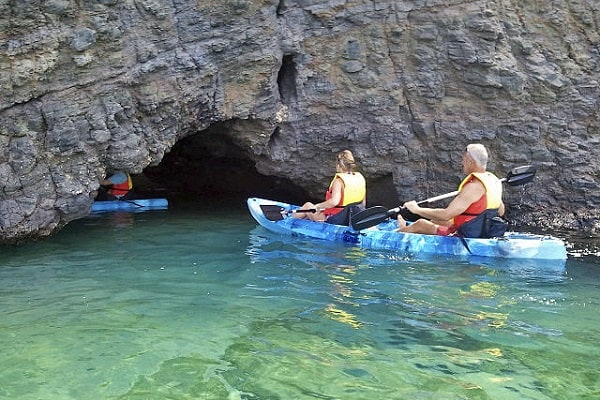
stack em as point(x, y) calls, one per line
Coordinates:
point(433, 199)
point(309, 210)
point(130, 202)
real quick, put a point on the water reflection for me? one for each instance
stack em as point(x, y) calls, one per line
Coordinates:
point(265, 245)
point(341, 283)
point(119, 219)
point(442, 300)
point(333, 262)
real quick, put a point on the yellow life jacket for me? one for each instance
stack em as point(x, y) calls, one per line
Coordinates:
point(493, 188)
point(491, 199)
point(355, 189)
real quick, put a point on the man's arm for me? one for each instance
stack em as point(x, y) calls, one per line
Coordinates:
point(119, 177)
point(106, 183)
point(470, 193)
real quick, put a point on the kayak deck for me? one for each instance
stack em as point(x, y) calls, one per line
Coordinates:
point(512, 245)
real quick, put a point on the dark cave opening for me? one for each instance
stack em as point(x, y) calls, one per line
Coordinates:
point(209, 167)
point(286, 80)
point(281, 7)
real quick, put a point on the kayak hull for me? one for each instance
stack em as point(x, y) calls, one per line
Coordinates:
point(136, 205)
point(513, 245)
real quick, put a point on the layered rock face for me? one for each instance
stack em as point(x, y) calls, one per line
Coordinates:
point(87, 87)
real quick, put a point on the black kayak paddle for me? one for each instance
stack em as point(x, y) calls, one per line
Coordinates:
point(375, 215)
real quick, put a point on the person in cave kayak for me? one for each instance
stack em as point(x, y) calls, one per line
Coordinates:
point(473, 212)
point(346, 195)
point(117, 186)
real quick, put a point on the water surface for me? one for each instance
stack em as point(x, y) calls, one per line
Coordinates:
point(203, 304)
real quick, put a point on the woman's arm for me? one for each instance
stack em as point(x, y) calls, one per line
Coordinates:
point(336, 195)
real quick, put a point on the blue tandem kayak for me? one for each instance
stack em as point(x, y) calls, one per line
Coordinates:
point(512, 245)
point(130, 205)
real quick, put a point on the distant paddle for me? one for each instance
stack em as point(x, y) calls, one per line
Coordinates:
point(375, 215)
point(130, 202)
point(277, 213)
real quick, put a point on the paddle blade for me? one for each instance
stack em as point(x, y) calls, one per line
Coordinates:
point(520, 175)
point(273, 212)
point(369, 217)
point(277, 213)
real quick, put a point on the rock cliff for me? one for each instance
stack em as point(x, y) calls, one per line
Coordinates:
point(280, 86)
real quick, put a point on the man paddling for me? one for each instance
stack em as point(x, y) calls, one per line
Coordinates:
point(479, 200)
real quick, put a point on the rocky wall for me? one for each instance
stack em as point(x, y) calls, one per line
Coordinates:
point(87, 87)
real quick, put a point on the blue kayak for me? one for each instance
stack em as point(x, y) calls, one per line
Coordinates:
point(276, 217)
point(135, 205)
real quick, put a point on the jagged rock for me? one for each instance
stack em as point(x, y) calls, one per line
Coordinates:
point(91, 86)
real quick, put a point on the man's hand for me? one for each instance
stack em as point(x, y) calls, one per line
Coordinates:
point(412, 206)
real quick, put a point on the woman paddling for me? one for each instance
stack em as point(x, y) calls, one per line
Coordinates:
point(347, 193)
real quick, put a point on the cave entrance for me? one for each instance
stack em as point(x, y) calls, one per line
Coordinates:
point(209, 168)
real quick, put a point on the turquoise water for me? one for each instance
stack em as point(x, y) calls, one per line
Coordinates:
point(203, 304)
